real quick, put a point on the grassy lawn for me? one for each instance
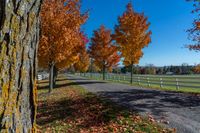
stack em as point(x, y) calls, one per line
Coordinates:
point(165, 88)
point(71, 109)
point(192, 81)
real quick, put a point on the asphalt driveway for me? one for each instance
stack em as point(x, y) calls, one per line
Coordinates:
point(176, 110)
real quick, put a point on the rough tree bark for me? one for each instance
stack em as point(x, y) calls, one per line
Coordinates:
point(19, 36)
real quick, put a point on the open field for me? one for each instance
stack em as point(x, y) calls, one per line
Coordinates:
point(70, 108)
point(181, 83)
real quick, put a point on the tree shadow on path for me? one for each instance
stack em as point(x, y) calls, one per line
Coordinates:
point(155, 102)
point(143, 100)
point(63, 82)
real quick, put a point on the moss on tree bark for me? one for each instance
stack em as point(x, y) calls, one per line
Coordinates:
point(19, 36)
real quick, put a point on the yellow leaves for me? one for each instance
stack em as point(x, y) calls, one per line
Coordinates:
point(132, 35)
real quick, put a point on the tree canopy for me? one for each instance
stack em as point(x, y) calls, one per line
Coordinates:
point(132, 34)
point(102, 49)
point(83, 62)
point(60, 24)
point(194, 32)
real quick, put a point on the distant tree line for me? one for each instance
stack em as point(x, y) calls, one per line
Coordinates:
point(151, 69)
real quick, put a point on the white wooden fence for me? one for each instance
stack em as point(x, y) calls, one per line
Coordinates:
point(177, 81)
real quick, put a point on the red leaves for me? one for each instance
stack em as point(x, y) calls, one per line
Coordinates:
point(198, 25)
point(194, 32)
point(194, 47)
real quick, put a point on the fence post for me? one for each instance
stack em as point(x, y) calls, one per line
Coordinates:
point(177, 84)
point(148, 82)
point(119, 78)
point(124, 78)
point(138, 80)
point(161, 83)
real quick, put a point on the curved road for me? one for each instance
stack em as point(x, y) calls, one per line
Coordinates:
point(175, 110)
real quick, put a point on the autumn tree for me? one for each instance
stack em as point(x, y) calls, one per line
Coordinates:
point(196, 69)
point(19, 36)
point(93, 68)
point(61, 22)
point(132, 34)
point(103, 51)
point(194, 32)
point(83, 62)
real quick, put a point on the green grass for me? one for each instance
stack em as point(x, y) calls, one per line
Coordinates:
point(70, 108)
point(188, 80)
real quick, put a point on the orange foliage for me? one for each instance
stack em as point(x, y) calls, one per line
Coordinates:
point(61, 21)
point(194, 32)
point(197, 69)
point(132, 35)
point(83, 62)
point(102, 49)
point(93, 67)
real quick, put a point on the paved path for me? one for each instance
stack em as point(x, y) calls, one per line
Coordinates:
point(181, 110)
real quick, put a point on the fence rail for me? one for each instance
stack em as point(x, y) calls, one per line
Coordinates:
point(161, 81)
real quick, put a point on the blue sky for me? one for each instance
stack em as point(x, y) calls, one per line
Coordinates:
point(169, 21)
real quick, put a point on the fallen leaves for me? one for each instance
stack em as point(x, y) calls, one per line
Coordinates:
point(70, 109)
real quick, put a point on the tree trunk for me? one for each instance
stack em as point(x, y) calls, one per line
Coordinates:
point(19, 37)
point(84, 74)
point(51, 77)
point(91, 68)
point(131, 73)
point(55, 74)
point(104, 72)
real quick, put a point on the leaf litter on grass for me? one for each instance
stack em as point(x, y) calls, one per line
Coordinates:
point(71, 109)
